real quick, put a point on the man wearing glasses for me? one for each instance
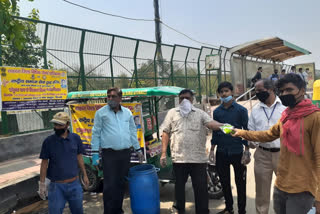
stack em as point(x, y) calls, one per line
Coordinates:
point(114, 132)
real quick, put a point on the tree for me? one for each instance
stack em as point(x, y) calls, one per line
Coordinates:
point(30, 54)
point(10, 28)
point(123, 82)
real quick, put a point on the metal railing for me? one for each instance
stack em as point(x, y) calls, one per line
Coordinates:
point(249, 95)
point(97, 60)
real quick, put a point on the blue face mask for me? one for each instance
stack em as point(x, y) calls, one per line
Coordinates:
point(226, 99)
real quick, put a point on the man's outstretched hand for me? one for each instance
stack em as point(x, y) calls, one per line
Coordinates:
point(236, 133)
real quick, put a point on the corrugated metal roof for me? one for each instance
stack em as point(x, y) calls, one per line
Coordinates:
point(274, 49)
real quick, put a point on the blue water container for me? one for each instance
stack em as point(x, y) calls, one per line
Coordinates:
point(144, 189)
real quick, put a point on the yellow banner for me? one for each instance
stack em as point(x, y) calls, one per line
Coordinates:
point(82, 120)
point(32, 88)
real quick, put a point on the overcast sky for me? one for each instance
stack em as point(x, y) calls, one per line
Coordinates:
point(227, 23)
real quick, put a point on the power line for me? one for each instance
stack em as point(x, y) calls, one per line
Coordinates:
point(203, 43)
point(138, 19)
point(109, 14)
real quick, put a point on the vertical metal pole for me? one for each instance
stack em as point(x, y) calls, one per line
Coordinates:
point(245, 76)
point(186, 67)
point(207, 97)
point(135, 63)
point(157, 23)
point(199, 74)
point(45, 59)
point(171, 62)
point(224, 65)
point(158, 37)
point(156, 111)
point(250, 100)
point(209, 80)
point(219, 71)
point(4, 116)
point(155, 67)
point(45, 46)
point(110, 58)
point(82, 72)
point(242, 72)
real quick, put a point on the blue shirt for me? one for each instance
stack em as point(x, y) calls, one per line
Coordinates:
point(62, 155)
point(237, 116)
point(114, 130)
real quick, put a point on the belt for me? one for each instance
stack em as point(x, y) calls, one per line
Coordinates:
point(112, 150)
point(270, 149)
point(67, 180)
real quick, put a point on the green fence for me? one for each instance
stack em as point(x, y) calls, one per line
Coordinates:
point(96, 60)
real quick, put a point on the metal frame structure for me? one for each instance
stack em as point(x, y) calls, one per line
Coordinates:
point(97, 60)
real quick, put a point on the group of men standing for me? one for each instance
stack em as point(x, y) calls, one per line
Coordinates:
point(294, 158)
point(276, 76)
point(284, 131)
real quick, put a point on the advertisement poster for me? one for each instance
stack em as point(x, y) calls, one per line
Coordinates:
point(82, 121)
point(32, 88)
point(309, 69)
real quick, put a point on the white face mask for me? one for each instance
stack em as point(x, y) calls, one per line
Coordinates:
point(185, 107)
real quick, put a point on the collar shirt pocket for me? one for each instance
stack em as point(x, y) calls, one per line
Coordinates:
point(194, 122)
point(194, 125)
point(124, 125)
point(177, 124)
point(72, 148)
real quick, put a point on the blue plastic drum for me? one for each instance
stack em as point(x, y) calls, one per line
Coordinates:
point(144, 189)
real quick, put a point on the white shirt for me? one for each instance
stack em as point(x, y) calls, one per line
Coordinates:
point(305, 75)
point(259, 121)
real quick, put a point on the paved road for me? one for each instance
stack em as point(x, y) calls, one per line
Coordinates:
point(93, 202)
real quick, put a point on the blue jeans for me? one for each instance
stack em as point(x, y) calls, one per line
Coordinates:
point(60, 193)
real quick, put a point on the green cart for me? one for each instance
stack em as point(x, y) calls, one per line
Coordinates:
point(149, 99)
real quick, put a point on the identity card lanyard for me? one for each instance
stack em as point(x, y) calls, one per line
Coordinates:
point(269, 118)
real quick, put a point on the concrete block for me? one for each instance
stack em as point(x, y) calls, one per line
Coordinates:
point(22, 145)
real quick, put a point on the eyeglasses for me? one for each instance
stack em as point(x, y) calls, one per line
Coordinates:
point(181, 98)
point(112, 96)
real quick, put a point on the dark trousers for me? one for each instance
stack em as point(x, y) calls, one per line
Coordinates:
point(223, 162)
point(198, 174)
point(292, 203)
point(115, 167)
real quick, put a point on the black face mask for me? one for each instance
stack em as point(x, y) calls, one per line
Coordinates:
point(59, 132)
point(289, 100)
point(263, 96)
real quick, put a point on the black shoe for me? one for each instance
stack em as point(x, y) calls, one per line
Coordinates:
point(176, 211)
point(225, 211)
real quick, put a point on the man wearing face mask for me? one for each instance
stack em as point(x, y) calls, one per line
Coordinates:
point(229, 149)
point(263, 116)
point(61, 156)
point(185, 127)
point(274, 77)
point(257, 76)
point(298, 172)
point(114, 132)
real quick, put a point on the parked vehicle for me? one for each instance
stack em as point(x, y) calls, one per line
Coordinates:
point(148, 99)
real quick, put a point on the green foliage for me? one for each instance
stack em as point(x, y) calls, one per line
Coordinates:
point(123, 82)
point(11, 29)
point(24, 48)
